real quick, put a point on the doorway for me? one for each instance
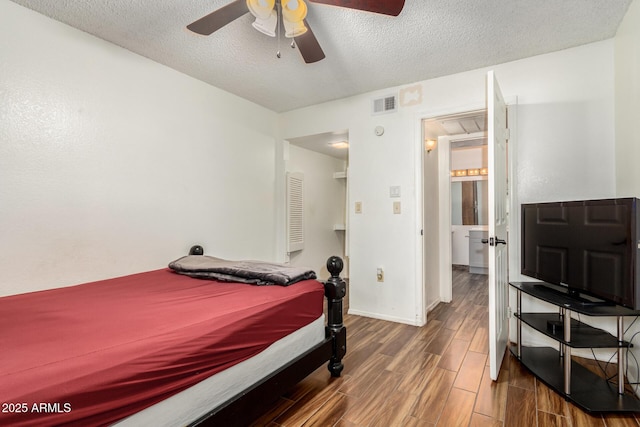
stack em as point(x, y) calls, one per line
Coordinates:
point(452, 143)
point(322, 160)
point(501, 200)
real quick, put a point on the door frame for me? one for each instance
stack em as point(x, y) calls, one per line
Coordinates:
point(444, 197)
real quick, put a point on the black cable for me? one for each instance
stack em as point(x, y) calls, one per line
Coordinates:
point(604, 370)
point(626, 372)
point(626, 369)
point(629, 327)
point(606, 366)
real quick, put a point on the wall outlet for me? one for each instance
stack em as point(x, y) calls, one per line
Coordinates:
point(380, 275)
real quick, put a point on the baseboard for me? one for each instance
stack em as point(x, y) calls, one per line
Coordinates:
point(412, 322)
point(432, 306)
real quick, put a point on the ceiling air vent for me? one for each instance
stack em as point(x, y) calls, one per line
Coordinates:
point(388, 104)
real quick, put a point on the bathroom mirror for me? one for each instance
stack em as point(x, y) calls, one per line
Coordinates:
point(469, 202)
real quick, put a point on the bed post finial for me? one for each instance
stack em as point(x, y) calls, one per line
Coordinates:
point(335, 289)
point(196, 250)
point(335, 266)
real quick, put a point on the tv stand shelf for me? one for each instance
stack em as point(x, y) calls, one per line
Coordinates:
point(555, 367)
point(582, 335)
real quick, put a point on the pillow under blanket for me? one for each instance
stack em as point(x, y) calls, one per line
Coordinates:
point(252, 272)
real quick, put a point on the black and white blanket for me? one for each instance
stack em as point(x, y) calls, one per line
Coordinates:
point(252, 272)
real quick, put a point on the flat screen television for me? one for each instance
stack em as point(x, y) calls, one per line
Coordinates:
point(589, 246)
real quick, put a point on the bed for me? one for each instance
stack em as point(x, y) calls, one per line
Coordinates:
point(161, 348)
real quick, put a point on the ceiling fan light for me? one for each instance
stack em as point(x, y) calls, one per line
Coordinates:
point(261, 8)
point(267, 26)
point(339, 144)
point(294, 10)
point(294, 29)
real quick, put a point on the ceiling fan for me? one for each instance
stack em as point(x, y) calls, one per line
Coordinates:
point(292, 13)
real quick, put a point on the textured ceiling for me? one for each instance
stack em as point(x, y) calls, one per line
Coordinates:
point(364, 51)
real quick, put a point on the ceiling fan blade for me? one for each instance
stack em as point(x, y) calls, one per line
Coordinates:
point(385, 7)
point(308, 46)
point(218, 19)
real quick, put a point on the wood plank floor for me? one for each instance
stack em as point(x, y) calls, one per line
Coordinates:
point(437, 375)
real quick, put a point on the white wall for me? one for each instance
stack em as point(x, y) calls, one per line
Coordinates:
point(113, 164)
point(324, 206)
point(565, 137)
point(627, 62)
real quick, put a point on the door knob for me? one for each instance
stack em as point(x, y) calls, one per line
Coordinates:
point(494, 241)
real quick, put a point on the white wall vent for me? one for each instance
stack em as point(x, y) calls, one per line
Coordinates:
point(388, 104)
point(295, 211)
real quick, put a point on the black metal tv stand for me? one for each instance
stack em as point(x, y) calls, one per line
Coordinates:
point(555, 367)
point(576, 296)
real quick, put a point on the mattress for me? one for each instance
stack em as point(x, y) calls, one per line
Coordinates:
point(194, 402)
point(99, 352)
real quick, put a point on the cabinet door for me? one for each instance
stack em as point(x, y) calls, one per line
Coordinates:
point(478, 251)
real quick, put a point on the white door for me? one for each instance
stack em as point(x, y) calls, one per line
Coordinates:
point(498, 277)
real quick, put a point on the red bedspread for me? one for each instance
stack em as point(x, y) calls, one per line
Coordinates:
point(92, 354)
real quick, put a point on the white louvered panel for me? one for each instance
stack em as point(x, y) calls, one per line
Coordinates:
point(295, 211)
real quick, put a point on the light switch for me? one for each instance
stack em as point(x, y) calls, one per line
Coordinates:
point(396, 207)
point(358, 207)
point(394, 191)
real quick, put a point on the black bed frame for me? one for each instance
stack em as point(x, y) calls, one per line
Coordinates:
point(258, 398)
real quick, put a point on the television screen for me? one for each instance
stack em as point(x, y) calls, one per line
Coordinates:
point(588, 246)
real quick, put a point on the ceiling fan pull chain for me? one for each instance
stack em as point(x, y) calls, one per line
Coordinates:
point(279, 13)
